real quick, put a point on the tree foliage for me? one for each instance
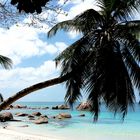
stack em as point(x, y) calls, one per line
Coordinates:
point(5, 62)
point(30, 6)
point(105, 61)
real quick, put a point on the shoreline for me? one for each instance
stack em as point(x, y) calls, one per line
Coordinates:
point(16, 133)
point(9, 133)
point(77, 127)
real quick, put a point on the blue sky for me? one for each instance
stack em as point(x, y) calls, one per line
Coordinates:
point(33, 54)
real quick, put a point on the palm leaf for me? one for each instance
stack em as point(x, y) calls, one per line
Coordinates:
point(126, 8)
point(133, 67)
point(5, 62)
point(131, 26)
point(81, 23)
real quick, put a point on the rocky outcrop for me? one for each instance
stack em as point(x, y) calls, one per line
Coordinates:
point(36, 113)
point(18, 106)
point(44, 116)
point(84, 106)
point(61, 107)
point(24, 126)
point(82, 115)
point(63, 116)
point(55, 107)
point(45, 107)
point(31, 117)
point(6, 116)
point(21, 114)
point(41, 120)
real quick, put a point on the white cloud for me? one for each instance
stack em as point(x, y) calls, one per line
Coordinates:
point(73, 34)
point(78, 7)
point(60, 46)
point(21, 77)
point(20, 43)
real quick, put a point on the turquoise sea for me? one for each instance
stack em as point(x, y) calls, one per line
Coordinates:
point(82, 128)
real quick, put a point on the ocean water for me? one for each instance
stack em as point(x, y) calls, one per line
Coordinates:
point(83, 128)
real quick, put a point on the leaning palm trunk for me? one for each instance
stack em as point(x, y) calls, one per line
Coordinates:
point(31, 89)
point(45, 84)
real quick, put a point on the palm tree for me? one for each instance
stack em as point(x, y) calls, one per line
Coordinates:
point(106, 56)
point(104, 62)
point(5, 62)
point(1, 98)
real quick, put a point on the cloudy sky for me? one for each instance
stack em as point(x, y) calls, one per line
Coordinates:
point(33, 54)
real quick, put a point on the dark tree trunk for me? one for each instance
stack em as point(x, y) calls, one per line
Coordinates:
point(33, 88)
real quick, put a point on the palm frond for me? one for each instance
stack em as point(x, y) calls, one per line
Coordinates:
point(126, 9)
point(80, 44)
point(73, 89)
point(65, 25)
point(131, 26)
point(107, 6)
point(1, 98)
point(124, 35)
point(82, 23)
point(132, 66)
point(5, 62)
point(110, 82)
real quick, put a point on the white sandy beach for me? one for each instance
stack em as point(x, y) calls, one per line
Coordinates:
point(6, 134)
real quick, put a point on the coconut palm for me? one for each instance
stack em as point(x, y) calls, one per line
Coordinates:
point(1, 98)
point(5, 62)
point(103, 62)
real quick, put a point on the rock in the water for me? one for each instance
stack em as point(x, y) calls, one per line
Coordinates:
point(21, 114)
point(45, 108)
point(31, 116)
point(36, 113)
point(61, 107)
point(55, 107)
point(63, 116)
point(41, 120)
point(19, 106)
point(53, 117)
point(11, 106)
point(84, 106)
point(6, 116)
point(44, 116)
point(58, 117)
point(82, 115)
point(24, 126)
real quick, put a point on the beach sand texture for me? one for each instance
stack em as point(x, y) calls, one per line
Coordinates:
point(6, 134)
